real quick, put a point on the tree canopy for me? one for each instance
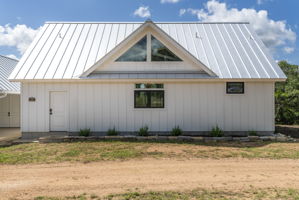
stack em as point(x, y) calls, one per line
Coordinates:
point(287, 95)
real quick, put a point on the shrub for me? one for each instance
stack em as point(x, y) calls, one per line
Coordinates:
point(176, 131)
point(252, 133)
point(216, 132)
point(84, 132)
point(143, 131)
point(112, 132)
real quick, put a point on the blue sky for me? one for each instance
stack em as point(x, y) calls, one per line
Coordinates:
point(276, 21)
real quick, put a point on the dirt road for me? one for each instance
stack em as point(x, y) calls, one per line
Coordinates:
point(102, 178)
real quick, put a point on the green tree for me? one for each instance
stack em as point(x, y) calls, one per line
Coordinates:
point(287, 95)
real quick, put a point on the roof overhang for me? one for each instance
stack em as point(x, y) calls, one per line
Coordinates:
point(132, 80)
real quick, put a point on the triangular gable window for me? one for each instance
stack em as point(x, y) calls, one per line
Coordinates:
point(139, 52)
point(161, 53)
point(136, 53)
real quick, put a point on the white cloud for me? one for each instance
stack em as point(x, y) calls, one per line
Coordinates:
point(182, 12)
point(12, 56)
point(259, 2)
point(272, 33)
point(19, 36)
point(170, 1)
point(289, 49)
point(142, 11)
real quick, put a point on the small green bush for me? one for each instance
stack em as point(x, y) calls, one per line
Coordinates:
point(112, 132)
point(176, 131)
point(252, 133)
point(143, 131)
point(216, 132)
point(84, 132)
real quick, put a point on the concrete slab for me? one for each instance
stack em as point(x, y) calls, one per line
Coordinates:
point(8, 134)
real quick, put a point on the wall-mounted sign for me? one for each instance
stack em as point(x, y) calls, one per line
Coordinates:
point(31, 99)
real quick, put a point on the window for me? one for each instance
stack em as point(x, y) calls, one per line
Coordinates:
point(148, 85)
point(235, 87)
point(141, 52)
point(149, 95)
point(161, 53)
point(149, 99)
point(137, 53)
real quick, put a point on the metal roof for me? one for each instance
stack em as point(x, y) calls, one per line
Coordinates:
point(65, 50)
point(6, 67)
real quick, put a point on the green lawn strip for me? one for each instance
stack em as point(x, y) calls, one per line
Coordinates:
point(199, 194)
point(120, 150)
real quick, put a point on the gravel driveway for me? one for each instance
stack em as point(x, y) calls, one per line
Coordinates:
point(102, 178)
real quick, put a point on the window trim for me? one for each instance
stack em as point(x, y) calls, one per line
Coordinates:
point(228, 92)
point(149, 102)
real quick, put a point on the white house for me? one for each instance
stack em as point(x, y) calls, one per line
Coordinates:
point(102, 75)
point(9, 95)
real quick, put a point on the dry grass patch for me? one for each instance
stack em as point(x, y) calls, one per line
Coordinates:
point(199, 194)
point(117, 150)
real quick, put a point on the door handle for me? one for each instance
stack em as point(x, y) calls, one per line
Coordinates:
point(8, 114)
point(50, 111)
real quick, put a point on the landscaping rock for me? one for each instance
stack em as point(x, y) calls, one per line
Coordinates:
point(55, 138)
point(116, 137)
point(237, 138)
point(152, 137)
point(254, 138)
point(129, 137)
point(268, 138)
point(244, 139)
point(198, 139)
point(210, 139)
point(172, 137)
point(219, 139)
point(162, 138)
point(282, 139)
point(185, 138)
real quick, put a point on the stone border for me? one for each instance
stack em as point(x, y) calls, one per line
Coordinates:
point(273, 138)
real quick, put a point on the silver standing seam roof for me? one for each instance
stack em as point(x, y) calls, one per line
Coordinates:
point(65, 50)
point(6, 67)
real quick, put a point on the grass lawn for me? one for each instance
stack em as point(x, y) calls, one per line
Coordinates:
point(199, 194)
point(116, 150)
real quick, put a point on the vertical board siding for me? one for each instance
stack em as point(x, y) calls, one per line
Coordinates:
point(192, 106)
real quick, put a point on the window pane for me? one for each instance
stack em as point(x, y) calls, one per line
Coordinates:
point(157, 99)
point(149, 85)
point(139, 85)
point(157, 85)
point(141, 99)
point(137, 53)
point(235, 88)
point(161, 53)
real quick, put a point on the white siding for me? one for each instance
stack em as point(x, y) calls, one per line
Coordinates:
point(147, 67)
point(192, 106)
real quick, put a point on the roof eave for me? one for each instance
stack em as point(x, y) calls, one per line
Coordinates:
point(145, 79)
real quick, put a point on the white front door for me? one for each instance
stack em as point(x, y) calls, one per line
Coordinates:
point(4, 111)
point(14, 110)
point(58, 111)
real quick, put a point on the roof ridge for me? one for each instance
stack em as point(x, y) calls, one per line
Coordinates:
point(141, 22)
point(9, 58)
